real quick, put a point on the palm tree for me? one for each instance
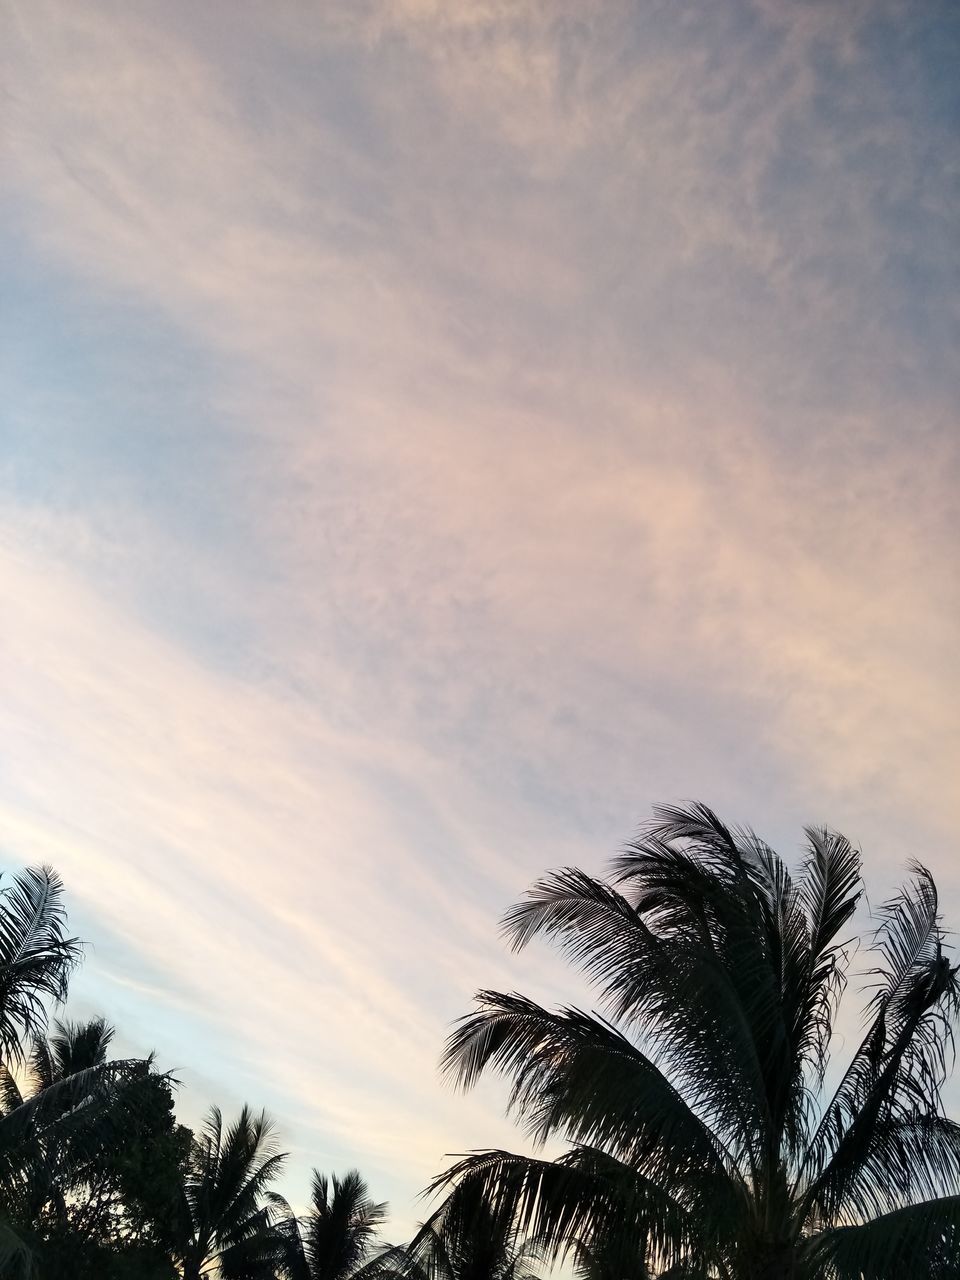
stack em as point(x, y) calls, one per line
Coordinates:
point(335, 1238)
point(89, 1150)
point(466, 1240)
point(73, 1047)
point(227, 1224)
point(36, 957)
point(700, 1130)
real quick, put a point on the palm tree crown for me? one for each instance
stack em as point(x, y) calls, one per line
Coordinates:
point(227, 1223)
point(465, 1240)
point(335, 1238)
point(699, 1132)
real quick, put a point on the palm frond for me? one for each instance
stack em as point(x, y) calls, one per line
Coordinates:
point(919, 1240)
point(884, 1163)
point(724, 900)
point(55, 1137)
point(900, 1066)
point(830, 888)
point(576, 1076)
point(678, 995)
point(11, 1095)
point(582, 1195)
point(468, 1238)
point(255, 1254)
point(36, 956)
point(342, 1225)
point(386, 1262)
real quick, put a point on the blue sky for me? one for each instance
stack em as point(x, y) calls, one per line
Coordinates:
point(433, 434)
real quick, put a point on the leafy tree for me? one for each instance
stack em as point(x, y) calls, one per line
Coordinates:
point(700, 1130)
point(226, 1221)
point(52, 1145)
point(75, 1129)
point(148, 1169)
point(335, 1238)
point(97, 1158)
point(96, 1177)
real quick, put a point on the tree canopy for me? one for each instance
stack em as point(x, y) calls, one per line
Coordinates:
point(712, 1123)
point(700, 1134)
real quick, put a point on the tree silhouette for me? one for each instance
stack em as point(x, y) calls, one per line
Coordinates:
point(226, 1219)
point(334, 1239)
point(699, 1130)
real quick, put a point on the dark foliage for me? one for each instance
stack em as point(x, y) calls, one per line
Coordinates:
point(97, 1179)
point(699, 1134)
point(334, 1239)
point(700, 1142)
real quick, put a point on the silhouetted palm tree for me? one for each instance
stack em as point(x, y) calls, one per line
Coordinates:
point(36, 960)
point(228, 1225)
point(73, 1047)
point(334, 1239)
point(106, 1160)
point(468, 1240)
point(701, 1132)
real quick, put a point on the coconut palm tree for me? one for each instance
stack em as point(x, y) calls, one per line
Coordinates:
point(700, 1129)
point(72, 1048)
point(227, 1225)
point(466, 1240)
point(336, 1237)
point(89, 1150)
point(36, 959)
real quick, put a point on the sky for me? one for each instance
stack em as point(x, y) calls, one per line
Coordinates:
point(432, 434)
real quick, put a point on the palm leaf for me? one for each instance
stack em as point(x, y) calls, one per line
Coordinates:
point(900, 1065)
point(676, 993)
point(692, 1101)
point(576, 1076)
point(919, 1240)
point(36, 956)
point(583, 1195)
